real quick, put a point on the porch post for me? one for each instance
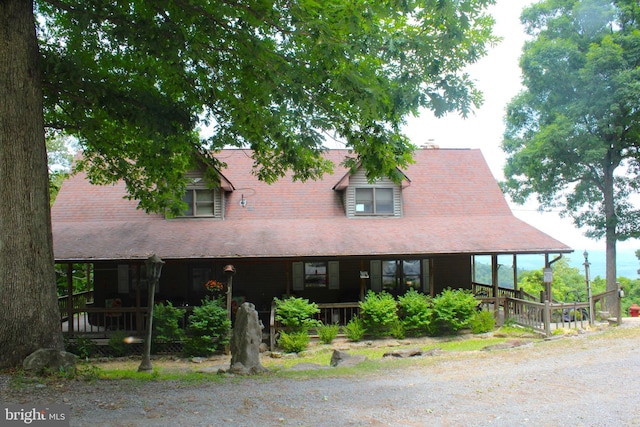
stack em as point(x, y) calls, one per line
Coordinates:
point(494, 282)
point(70, 312)
point(515, 273)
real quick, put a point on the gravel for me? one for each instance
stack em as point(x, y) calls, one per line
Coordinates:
point(590, 379)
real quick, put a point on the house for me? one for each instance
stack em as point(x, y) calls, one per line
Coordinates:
point(328, 240)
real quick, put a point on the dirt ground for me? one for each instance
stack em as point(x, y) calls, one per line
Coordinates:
point(590, 379)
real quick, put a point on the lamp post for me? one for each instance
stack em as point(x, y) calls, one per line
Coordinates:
point(154, 268)
point(229, 271)
point(589, 296)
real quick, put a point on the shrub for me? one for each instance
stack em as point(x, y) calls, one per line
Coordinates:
point(296, 313)
point(294, 342)
point(482, 321)
point(166, 324)
point(453, 309)
point(379, 312)
point(328, 333)
point(398, 331)
point(118, 345)
point(355, 330)
point(208, 328)
point(415, 312)
point(82, 347)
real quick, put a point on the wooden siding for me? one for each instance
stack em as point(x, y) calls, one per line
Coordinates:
point(359, 180)
point(202, 184)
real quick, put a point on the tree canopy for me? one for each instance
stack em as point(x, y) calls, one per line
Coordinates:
point(572, 135)
point(136, 81)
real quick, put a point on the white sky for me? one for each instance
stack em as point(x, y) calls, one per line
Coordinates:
point(498, 76)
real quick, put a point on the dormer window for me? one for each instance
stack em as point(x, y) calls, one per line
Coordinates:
point(199, 202)
point(374, 201)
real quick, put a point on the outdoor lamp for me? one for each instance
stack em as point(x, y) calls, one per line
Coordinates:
point(153, 265)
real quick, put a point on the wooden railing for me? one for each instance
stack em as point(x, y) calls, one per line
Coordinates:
point(78, 300)
point(546, 316)
point(100, 322)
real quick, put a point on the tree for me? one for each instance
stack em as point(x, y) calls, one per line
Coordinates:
point(29, 317)
point(59, 162)
point(134, 82)
point(572, 134)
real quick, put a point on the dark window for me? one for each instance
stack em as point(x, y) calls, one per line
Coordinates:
point(374, 201)
point(199, 202)
point(398, 276)
point(315, 275)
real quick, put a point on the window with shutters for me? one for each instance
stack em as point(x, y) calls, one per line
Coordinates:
point(315, 274)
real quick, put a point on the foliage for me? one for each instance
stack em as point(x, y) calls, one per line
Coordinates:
point(327, 333)
point(567, 282)
point(82, 347)
point(379, 312)
point(208, 328)
point(296, 313)
point(453, 309)
point(354, 72)
point(355, 330)
point(294, 342)
point(482, 321)
point(575, 126)
point(59, 160)
point(398, 330)
point(78, 275)
point(118, 345)
point(166, 323)
point(415, 312)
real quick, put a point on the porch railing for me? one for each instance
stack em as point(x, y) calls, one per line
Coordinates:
point(78, 300)
point(101, 322)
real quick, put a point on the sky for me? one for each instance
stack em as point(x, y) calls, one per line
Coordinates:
point(498, 76)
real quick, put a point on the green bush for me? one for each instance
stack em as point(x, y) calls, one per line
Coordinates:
point(208, 328)
point(379, 313)
point(482, 321)
point(82, 347)
point(293, 342)
point(398, 331)
point(118, 345)
point(453, 309)
point(296, 314)
point(166, 326)
point(355, 330)
point(416, 312)
point(328, 333)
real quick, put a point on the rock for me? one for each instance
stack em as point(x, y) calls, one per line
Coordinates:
point(506, 345)
point(197, 359)
point(342, 358)
point(50, 359)
point(404, 353)
point(245, 341)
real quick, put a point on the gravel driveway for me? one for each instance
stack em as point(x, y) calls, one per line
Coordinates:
point(591, 379)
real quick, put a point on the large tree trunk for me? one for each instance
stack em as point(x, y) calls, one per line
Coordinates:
point(611, 236)
point(29, 315)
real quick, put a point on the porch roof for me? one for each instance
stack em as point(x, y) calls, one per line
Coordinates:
point(452, 205)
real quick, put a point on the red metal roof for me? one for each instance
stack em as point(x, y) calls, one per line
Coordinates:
point(451, 205)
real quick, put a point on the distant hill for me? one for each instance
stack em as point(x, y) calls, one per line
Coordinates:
point(627, 263)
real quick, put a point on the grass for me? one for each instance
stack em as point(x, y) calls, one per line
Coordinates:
point(183, 370)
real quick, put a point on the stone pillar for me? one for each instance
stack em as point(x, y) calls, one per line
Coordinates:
point(245, 341)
